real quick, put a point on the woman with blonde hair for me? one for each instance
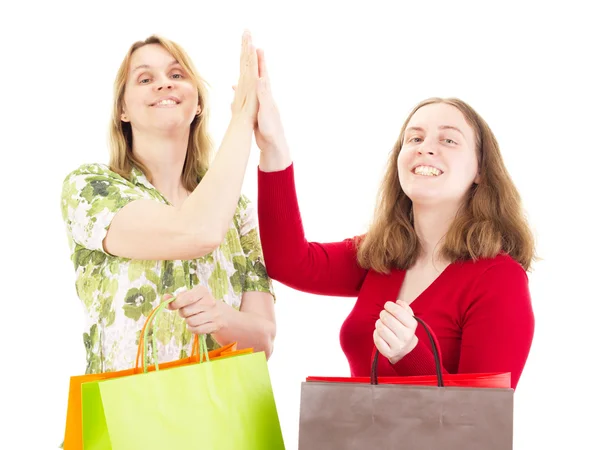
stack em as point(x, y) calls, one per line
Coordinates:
point(158, 221)
point(449, 244)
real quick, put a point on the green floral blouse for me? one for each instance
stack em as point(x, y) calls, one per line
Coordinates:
point(119, 293)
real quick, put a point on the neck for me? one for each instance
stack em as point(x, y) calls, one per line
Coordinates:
point(431, 225)
point(164, 156)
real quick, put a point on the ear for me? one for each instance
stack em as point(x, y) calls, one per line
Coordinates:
point(124, 117)
point(198, 110)
point(477, 178)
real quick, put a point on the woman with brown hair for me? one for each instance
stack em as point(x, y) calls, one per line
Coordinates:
point(449, 244)
point(159, 221)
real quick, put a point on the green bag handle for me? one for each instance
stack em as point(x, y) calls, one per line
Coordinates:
point(144, 339)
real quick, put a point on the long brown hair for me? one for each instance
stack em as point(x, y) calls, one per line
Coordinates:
point(122, 159)
point(490, 221)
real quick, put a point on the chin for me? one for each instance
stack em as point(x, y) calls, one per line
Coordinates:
point(426, 201)
point(425, 198)
point(172, 125)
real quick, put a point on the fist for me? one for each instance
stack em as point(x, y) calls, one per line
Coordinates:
point(394, 334)
point(202, 313)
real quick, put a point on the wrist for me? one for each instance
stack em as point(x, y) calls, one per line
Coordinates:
point(226, 320)
point(243, 120)
point(409, 348)
point(275, 159)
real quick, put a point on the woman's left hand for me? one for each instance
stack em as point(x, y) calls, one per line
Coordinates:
point(394, 334)
point(202, 313)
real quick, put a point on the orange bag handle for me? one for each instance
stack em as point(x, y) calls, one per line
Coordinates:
point(195, 344)
point(143, 340)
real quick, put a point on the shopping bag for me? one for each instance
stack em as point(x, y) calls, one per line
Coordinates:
point(214, 402)
point(466, 412)
point(73, 431)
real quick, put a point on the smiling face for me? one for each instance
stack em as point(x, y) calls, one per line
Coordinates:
point(438, 161)
point(159, 94)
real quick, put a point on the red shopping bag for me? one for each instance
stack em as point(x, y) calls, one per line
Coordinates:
point(479, 380)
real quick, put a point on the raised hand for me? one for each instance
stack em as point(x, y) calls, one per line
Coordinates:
point(245, 100)
point(269, 132)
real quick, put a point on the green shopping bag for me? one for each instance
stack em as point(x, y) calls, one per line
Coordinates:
point(223, 404)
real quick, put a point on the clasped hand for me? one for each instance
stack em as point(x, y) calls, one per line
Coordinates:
point(202, 313)
point(394, 334)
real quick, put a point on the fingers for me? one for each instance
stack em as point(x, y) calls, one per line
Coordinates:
point(381, 344)
point(264, 82)
point(262, 91)
point(245, 97)
point(253, 63)
point(205, 328)
point(197, 320)
point(197, 307)
point(385, 333)
point(399, 321)
point(262, 65)
point(402, 312)
point(245, 51)
point(248, 57)
point(187, 299)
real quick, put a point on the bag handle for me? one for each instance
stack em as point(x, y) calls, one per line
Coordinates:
point(436, 357)
point(199, 346)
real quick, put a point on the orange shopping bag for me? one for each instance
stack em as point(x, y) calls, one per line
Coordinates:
point(73, 427)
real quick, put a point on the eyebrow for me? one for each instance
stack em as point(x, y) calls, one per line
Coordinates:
point(443, 127)
point(146, 66)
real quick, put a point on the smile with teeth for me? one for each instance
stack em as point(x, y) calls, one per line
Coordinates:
point(427, 171)
point(166, 102)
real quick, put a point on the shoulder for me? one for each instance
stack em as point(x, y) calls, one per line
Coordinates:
point(499, 282)
point(96, 177)
point(500, 268)
point(94, 188)
point(89, 169)
point(94, 172)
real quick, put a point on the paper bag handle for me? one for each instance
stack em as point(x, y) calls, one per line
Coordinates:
point(436, 356)
point(198, 346)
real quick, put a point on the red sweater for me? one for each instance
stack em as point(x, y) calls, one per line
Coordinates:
point(480, 311)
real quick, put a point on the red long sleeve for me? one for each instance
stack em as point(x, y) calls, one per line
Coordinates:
point(480, 311)
point(497, 324)
point(326, 269)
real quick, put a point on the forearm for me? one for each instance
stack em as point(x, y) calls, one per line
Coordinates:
point(249, 330)
point(210, 208)
point(276, 159)
point(318, 268)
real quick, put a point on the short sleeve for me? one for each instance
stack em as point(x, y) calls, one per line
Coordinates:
point(91, 197)
point(256, 279)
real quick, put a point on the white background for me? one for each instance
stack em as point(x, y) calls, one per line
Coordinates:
point(345, 78)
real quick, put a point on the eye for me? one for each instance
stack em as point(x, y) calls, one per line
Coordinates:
point(177, 75)
point(145, 81)
point(415, 139)
point(449, 141)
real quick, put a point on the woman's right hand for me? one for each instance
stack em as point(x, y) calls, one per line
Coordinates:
point(245, 101)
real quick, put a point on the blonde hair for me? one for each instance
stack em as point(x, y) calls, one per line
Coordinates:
point(490, 221)
point(122, 159)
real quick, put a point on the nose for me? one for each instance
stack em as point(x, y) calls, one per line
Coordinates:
point(164, 84)
point(427, 147)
